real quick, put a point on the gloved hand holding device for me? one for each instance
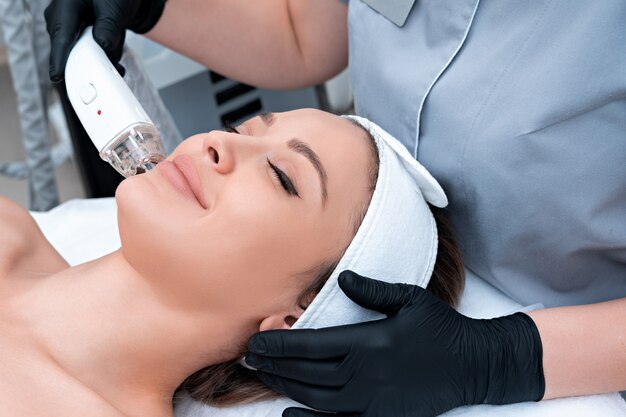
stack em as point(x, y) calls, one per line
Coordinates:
point(425, 358)
point(66, 20)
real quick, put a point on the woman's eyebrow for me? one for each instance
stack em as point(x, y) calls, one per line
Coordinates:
point(304, 149)
point(268, 118)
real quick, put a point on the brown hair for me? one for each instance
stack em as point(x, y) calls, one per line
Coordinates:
point(229, 383)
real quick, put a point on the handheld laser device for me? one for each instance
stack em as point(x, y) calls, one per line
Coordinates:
point(110, 113)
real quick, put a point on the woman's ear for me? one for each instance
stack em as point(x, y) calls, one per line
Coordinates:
point(281, 321)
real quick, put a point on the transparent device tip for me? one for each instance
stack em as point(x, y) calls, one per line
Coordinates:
point(134, 151)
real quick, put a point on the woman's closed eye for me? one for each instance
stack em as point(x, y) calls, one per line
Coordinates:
point(278, 173)
point(284, 180)
point(230, 128)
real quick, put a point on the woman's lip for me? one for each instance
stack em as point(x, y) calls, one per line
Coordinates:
point(175, 177)
point(187, 167)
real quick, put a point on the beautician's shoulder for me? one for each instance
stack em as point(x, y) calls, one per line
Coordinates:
point(21, 240)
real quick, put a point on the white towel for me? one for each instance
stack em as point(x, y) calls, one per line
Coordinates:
point(397, 239)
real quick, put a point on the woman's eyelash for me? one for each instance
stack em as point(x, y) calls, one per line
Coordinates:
point(230, 128)
point(284, 179)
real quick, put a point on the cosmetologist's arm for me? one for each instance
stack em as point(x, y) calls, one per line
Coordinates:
point(276, 44)
point(584, 348)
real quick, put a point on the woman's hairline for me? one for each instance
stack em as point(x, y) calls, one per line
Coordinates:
point(324, 270)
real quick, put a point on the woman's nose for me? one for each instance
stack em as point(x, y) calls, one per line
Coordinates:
point(220, 152)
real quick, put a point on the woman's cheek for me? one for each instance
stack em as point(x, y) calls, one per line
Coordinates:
point(151, 223)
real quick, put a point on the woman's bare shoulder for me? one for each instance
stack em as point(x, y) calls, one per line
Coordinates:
point(22, 240)
point(17, 225)
point(10, 211)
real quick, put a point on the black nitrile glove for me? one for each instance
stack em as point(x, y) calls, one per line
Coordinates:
point(422, 360)
point(66, 20)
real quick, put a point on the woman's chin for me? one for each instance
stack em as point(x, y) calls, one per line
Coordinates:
point(136, 190)
point(125, 187)
point(137, 205)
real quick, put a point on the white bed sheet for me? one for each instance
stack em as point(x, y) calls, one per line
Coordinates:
point(82, 230)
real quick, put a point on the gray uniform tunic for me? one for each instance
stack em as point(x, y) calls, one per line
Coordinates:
point(518, 108)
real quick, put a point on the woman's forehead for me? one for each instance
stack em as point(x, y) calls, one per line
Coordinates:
point(325, 132)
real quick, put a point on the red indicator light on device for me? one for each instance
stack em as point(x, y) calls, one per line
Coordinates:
point(99, 112)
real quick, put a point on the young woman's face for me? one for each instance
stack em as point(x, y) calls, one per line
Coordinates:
point(232, 221)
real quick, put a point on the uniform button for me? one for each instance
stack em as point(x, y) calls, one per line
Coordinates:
point(88, 93)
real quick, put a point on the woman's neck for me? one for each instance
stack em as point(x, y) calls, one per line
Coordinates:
point(106, 327)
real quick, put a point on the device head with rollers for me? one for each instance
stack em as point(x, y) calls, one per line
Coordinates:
point(110, 113)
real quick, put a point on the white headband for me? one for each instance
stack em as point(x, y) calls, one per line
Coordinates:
point(397, 240)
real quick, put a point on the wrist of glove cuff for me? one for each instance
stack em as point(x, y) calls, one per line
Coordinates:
point(508, 365)
point(148, 14)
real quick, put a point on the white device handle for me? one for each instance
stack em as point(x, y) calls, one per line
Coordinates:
point(113, 118)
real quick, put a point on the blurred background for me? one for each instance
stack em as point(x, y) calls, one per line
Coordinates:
point(11, 148)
